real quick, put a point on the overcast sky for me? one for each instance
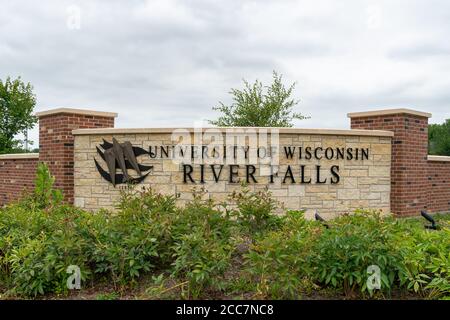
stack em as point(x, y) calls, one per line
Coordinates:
point(167, 63)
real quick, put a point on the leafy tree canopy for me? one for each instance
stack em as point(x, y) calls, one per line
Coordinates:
point(439, 138)
point(17, 102)
point(260, 106)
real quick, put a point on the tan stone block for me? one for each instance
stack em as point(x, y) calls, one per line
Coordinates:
point(358, 172)
point(289, 203)
point(160, 179)
point(279, 192)
point(142, 137)
point(352, 139)
point(79, 202)
point(355, 204)
point(380, 187)
point(367, 181)
point(350, 182)
point(285, 141)
point(382, 163)
point(304, 201)
point(97, 189)
point(82, 142)
point(348, 194)
point(186, 187)
point(377, 148)
point(385, 197)
point(106, 202)
point(382, 157)
point(84, 191)
point(316, 188)
point(376, 171)
point(168, 189)
point(216, 187)
point(169, 165)
point(80, 156)
point(357, 165)
point(84, 182)
point(370, 195)
point(334, 142)
point(220, 197)
point(296, 191)
point(303, 138)
point(89, 202)
point(328, 204)
point(326, 196)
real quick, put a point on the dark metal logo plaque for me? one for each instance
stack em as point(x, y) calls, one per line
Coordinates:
point(121, 156)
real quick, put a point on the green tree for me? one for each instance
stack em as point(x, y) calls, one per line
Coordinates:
point(259, 106)
point(439, 138)
point(17, 102)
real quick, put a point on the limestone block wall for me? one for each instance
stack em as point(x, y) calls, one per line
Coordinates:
point(362, 182)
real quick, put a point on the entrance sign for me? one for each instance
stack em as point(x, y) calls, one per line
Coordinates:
point(328, 170)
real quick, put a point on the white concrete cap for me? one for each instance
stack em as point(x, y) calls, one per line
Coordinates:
point(438, 158)
point(76, 111)
point(388, 112)
point(353, 132)
point(12, 156)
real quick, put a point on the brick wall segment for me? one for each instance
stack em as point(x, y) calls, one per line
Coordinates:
point(439, 180)
point(409, 170)
point(17, 174)
point(56, 142)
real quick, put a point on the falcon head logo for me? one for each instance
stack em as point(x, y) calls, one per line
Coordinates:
point(121, 156)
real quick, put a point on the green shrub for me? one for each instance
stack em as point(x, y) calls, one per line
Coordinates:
point(287, 261)
point(37, 247)
point(44, 194)
point(278, 262)
point(39, 240)
point(203, 248)
point(134, 239)
point(254, 210)
point(425, 265)
point(203, 244)
point(341, 255)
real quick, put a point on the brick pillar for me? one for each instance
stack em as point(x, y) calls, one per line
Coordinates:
point(409, 181)
point(56, 142)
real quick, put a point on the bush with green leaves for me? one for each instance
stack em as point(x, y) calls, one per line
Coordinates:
point(39, 239)
point(425, 266)
point(203, 248)
point(278, 262)
point(37, 246)
point(202, 244)
point(254, 211)
point(134, 239)
point(285, 262)
point(341, 256)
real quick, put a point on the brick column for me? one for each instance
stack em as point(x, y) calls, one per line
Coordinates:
point(409, 180)
point(56, 142)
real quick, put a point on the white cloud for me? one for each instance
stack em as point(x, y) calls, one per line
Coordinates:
point(166, 63)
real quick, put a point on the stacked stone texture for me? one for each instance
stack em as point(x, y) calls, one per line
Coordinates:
point(363, 184)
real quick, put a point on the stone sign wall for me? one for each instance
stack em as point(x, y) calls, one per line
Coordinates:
point(333, 171)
